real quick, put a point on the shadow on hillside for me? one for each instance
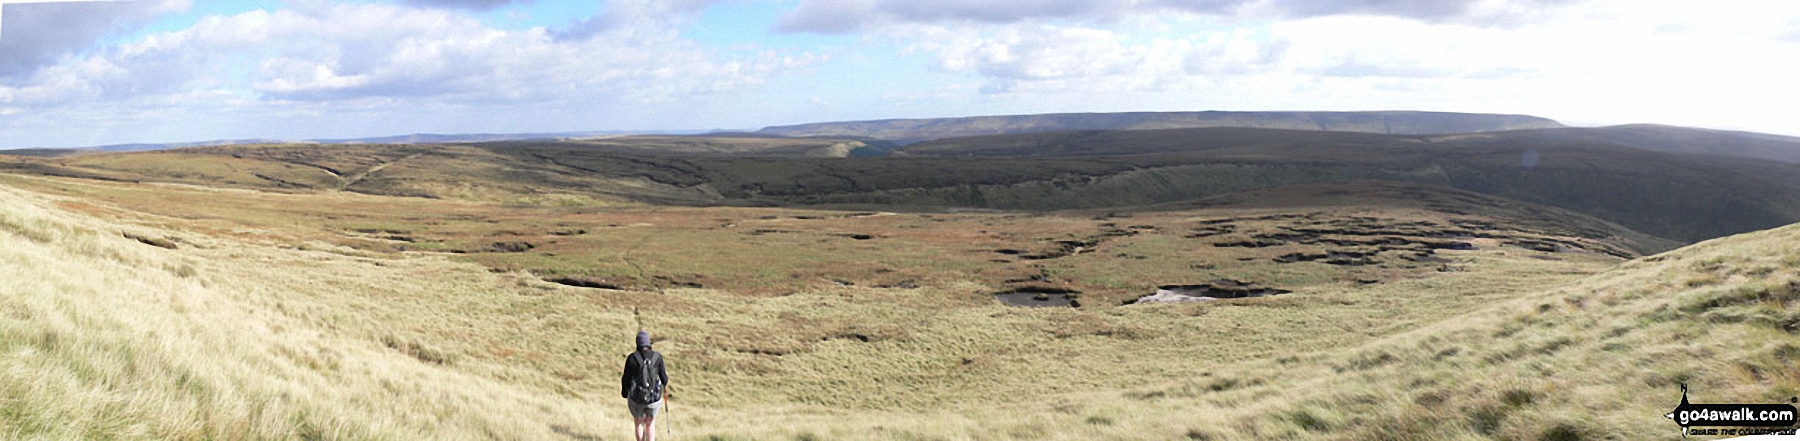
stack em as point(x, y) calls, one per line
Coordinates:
point(565, 431)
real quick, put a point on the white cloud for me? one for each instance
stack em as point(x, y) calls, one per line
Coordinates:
point(334, 59)
point(845, 16)
point(464, 4)
point(38, 34)
point(1611, 61)
point(322, 69)
point(1043, 58)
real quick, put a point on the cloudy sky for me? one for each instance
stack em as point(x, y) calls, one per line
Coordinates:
point(82, 74)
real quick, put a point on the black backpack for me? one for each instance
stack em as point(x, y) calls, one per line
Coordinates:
point(647, 387)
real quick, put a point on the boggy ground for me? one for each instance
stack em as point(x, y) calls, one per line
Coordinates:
point(1371, 233)
point(350, 316)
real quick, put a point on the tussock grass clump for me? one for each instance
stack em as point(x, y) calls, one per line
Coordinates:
point(417, 350)
point(1702, 280)
point(1311, 419)
point(35, 229)
point(1562, 432)
point(1198, 435)
point(1774, 304)
point(1518, 397)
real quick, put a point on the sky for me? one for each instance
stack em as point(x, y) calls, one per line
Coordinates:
point(95, 73)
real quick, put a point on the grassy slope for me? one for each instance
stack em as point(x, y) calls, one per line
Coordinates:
point(714, 144)
point(1110, 143)
point(1659, 138)
point(1597, 359)
point(105, 337)
point(110, 337)
point(1677, 196)
point(1510, 213)
point(762, 251)
point(42, 152)
point(1370, 122)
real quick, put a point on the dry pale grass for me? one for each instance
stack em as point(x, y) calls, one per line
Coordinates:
point(106, 337)
point(1596, 359)
point(236, 335)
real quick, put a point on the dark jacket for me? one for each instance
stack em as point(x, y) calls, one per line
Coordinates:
point(632, 368)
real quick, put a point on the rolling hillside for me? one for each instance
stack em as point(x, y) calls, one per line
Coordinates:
point(1654, 137)
point(716, 144)
point(1682, 197)
point(221, 313)
point(1392, 286)
point(1393, 122)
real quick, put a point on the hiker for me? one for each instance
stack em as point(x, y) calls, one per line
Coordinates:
point(643, 386)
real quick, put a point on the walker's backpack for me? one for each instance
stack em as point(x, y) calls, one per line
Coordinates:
point(647, 387)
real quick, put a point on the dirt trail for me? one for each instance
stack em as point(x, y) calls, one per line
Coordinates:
point(328, 170)
point(358, 176)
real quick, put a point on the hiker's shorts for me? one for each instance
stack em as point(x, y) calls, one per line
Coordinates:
point(644, 410)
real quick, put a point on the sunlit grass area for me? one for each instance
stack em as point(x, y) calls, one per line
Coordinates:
point(243, 314)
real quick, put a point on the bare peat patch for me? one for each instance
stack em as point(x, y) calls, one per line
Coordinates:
point(516, 246)
point(1547, 246)
point(581, 282)
point(1214, 290)
point(1331, 257)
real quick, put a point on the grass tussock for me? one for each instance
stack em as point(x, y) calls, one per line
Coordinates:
point(101, 341)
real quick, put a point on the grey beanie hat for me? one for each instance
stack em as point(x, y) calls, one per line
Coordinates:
point(643, 339)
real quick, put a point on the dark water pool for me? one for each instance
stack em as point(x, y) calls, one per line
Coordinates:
point(1040, 297)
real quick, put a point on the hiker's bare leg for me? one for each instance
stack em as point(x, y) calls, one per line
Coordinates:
point(637, 429)
point(650, 428)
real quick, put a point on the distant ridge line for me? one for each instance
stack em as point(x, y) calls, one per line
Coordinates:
point(1396, 122)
